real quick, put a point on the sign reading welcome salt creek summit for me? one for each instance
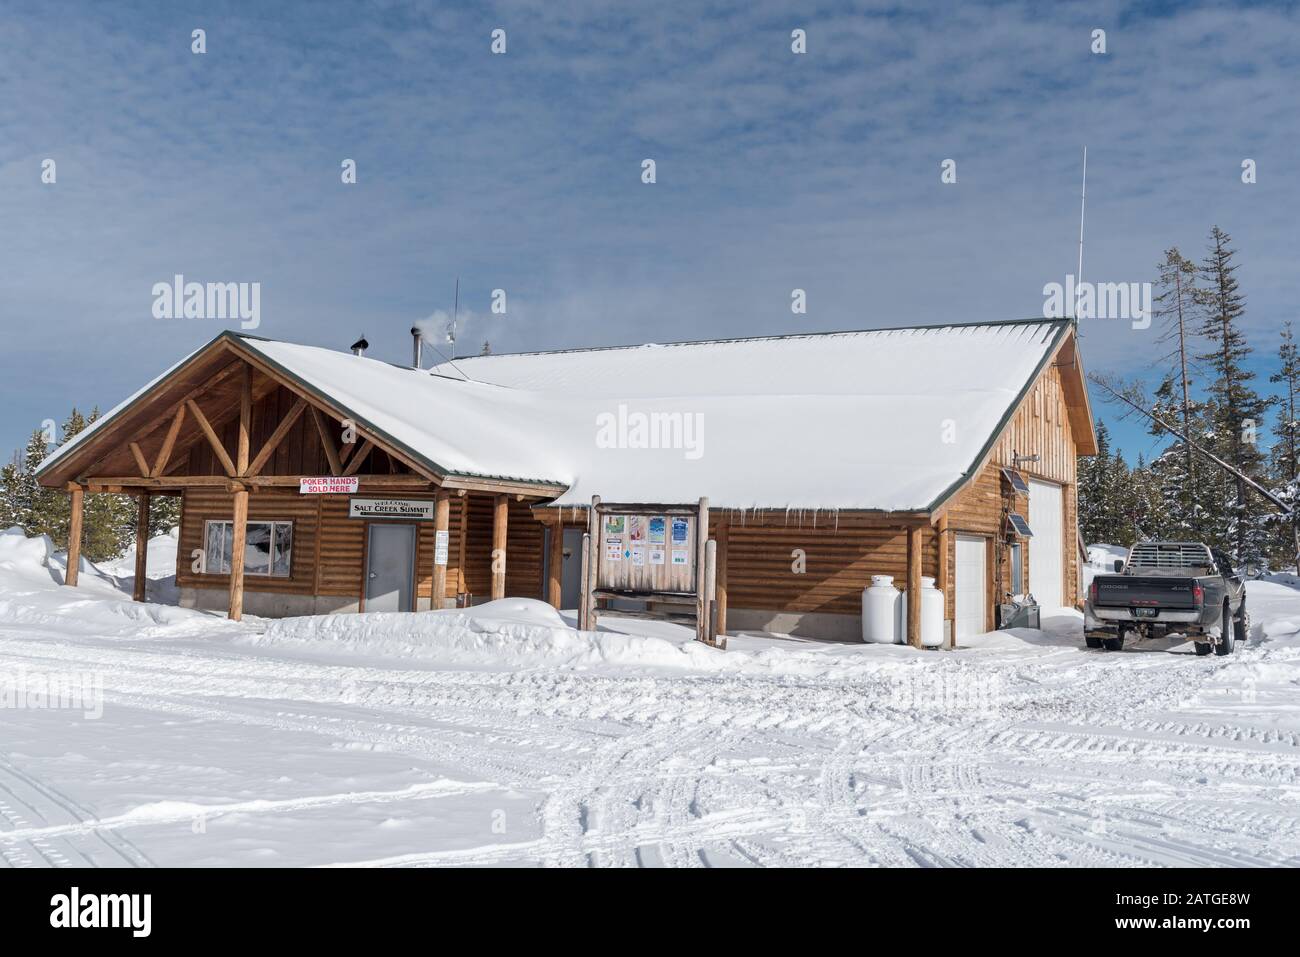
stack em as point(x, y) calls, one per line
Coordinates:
point(412, 510)
point(328, 485)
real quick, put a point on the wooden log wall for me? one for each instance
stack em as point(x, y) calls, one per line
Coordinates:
point(1041, 427)
point(841, 554)
point(329, 548)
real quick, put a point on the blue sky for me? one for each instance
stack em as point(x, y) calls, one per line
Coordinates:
point(522, 171)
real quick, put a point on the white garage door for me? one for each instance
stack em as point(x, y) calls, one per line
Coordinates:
point(969, 592)
point(1046, 517)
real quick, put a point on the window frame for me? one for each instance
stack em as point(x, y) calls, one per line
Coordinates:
point(228, 525)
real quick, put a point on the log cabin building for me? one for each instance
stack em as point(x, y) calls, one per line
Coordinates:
point(350, 484)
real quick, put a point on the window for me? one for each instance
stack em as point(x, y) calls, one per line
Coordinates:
point(268, 548)
point(1017, 570)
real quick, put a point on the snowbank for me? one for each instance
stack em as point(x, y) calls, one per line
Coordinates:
point(31, 594)
point(512, 633)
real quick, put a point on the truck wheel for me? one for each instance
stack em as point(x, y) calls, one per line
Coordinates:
point(1223, 644)
point(1092, 641)
point(1114, 644)
point(1241, 624)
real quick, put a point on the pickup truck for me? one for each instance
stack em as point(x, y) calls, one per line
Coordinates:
point(1166, 589)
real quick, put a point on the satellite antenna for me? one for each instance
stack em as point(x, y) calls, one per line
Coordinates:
point(1078, 276)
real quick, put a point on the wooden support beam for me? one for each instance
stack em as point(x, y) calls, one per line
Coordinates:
point(220, 450)
point(709, 629)
point(238, 538)
point(169, 442)
point(914, 543)
point(74, 537)
point(140, 462)
point(406, 480)
point(555, 565)
point(584, 595)
point(245, 420)
point(945, 543)
point(591, 574)
point(360, 456)
point(441, 548)
point(500, 514)
point(461, 587)
point(327, 442)
point(723, 535)
point(346, 450)
point(701, 586)
point(141, 547)
point(276, 438)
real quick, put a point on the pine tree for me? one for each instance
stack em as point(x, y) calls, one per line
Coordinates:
point(1146, 507)
point(1176, 466)
point(1176, 307)
point(1236, 410)
point(1101, 479)
point(1286, 450)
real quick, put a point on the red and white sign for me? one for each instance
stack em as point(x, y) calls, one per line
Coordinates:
point(328, 485)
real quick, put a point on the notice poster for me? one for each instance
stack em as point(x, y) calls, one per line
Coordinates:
point(635, 529)
point(440, 548)
point(613, 549)
point(658, 527)
point(679, 556)
point(680, 532)
point(656, 556)
point(638, 556)
point(613, 525)
point(328, 485)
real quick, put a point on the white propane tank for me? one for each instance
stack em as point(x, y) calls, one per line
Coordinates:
point(932, 608)
point(879, 614)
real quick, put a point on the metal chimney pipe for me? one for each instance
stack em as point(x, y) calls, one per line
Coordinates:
point(359, 347)
point(417, 346)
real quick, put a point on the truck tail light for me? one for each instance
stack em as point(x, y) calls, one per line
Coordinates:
point(1198, 594)
point(1092, 589)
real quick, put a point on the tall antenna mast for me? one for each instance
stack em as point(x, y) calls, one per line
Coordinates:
point(1078, 276)
point(455, 313)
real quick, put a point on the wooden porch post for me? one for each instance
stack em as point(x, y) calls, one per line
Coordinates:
point(701, 586)
point(500, 510)
point(724, 533)
point(74, 537)
point(555, 563)
point(441, 517)
point(237, 542)
point(944, 544)
point(141, 546)
point(914, 542)
point(245, 421)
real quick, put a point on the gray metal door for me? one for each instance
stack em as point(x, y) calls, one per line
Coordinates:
point(571, 568)
point(390, 568)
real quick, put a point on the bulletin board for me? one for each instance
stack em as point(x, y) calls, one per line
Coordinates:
point(647, 549)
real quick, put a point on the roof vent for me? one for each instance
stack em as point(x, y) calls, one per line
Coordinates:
point(417, 346)
point(360, 346)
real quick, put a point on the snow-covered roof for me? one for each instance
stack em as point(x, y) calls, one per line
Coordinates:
point(884, 419)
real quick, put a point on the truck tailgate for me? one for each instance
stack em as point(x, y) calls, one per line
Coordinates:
point(1124, 591)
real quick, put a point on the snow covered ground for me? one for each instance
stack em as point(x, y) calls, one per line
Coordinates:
point(504, 737)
